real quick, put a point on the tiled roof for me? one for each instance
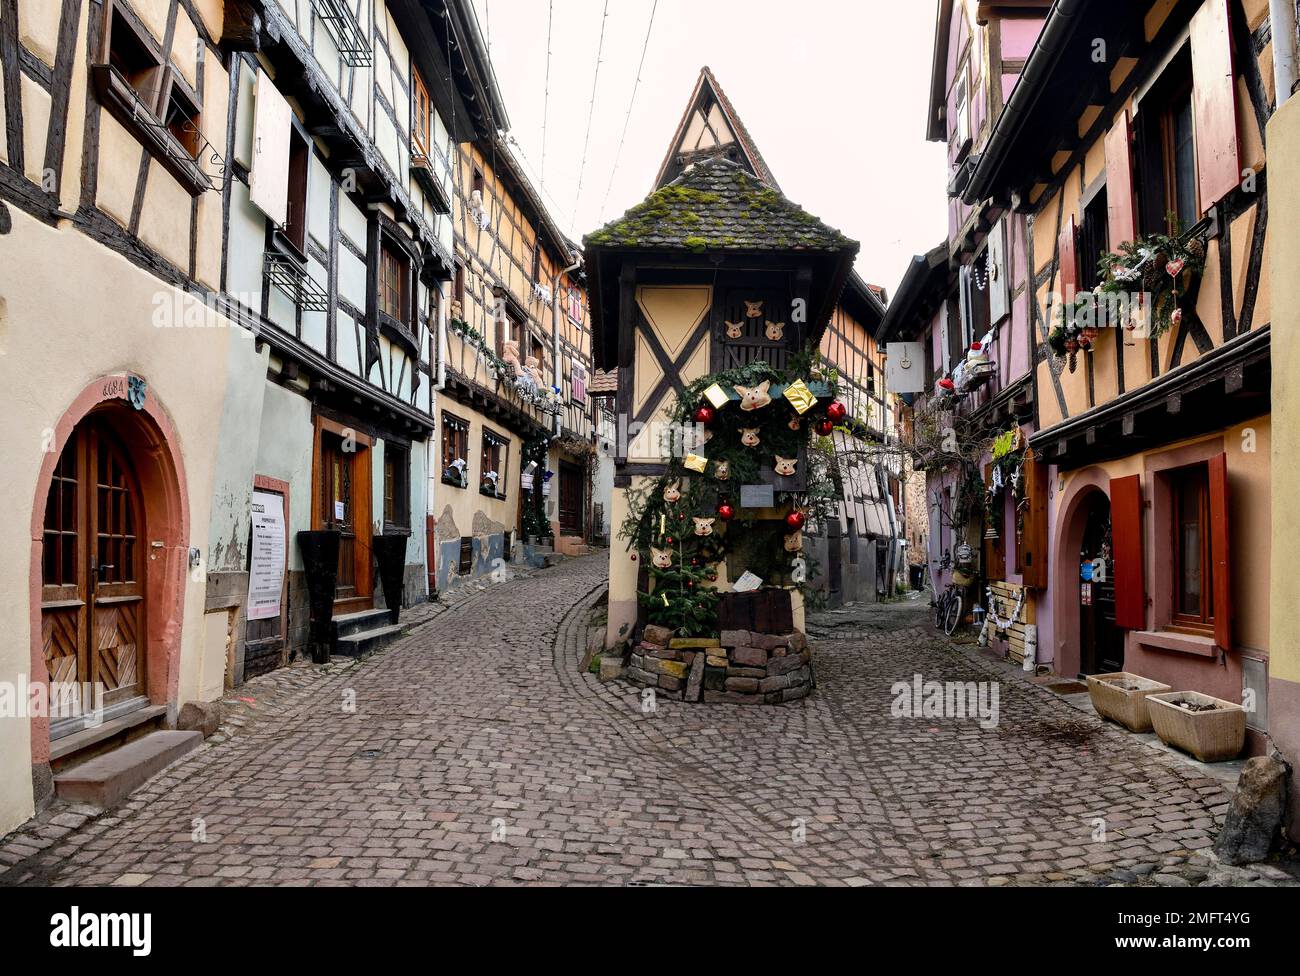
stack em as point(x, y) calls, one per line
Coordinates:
point(603, 382)
point(718, 205)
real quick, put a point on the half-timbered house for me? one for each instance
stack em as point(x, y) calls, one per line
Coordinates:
point(514, 457)
point(1144, 123)
point(678, 286)
point(858, 554)
point(967, 303)
point(343, 132)
point(120, 376)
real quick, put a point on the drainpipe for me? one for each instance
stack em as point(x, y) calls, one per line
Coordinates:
point(1282, 16)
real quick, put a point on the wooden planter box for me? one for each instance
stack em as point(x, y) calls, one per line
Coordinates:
point(1127, 706)
point(1210, 736)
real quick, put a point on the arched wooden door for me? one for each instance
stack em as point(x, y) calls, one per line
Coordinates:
point(93, 571)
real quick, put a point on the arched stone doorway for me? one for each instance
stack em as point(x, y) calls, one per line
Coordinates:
point(110, 543)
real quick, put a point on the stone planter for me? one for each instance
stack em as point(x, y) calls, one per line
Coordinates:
point(1211, 736)
point(390, 555)
point(1125, 705)
point(320, 561)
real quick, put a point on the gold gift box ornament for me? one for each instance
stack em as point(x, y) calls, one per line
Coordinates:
point(800, 397)
point(717, 396)
point(696, 463)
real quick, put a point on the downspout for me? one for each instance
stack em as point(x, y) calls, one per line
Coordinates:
point(1282, 16)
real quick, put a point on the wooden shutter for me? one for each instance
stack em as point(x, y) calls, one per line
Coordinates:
point(1126, 544)
point(268, 182)
point(995, 550)
point(999, 279)
point(1219, 551)
point(1069, 258)
point(1033, 540)
point(1121, 211)
point(967, 321)
point(1214, 101)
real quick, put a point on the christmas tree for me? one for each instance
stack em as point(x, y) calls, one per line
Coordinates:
point(681, 597)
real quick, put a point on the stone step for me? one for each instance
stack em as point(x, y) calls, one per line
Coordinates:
point(354, 645)
point(355, 623)
point(107, 780)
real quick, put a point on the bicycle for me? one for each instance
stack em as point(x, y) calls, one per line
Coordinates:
point(948, 609)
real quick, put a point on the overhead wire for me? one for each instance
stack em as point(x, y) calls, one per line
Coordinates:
point(645, 46)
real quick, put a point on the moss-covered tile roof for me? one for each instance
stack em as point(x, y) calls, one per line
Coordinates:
point(718, 205)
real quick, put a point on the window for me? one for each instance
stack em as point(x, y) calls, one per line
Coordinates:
point(458, 290)
point(575, 305)
point(961, 128)
point(1170, 202)
point(1193, 586)
point(394, 268)
point(419, 115)
point(537, 350)
point(181, 117)
point(397, 470)
point(295, 224)
point(455, 451)
point(493, 464)
point(1094, 241)
point(131, 52)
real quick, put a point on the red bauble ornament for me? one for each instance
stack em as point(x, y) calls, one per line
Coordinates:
point(669, 540)
point(795, 520)
point(633, 557)
point(726, 512)
point(713, 577)
point(825, 427)
point(836, 410)
point(704, 414)
point(695, 562)
point(690, 584)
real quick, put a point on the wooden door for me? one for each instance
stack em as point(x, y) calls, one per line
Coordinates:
point(93, 572)
point(571, 499)
point(338, 510)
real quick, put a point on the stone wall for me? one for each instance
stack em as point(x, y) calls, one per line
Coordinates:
point(742, 667)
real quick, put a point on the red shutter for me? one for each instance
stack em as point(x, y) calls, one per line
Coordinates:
point(1219, 542)
point(1069, 247)
point(1214, 99)
point(1033, 541)
point(1121, 213)
point(1126, 544)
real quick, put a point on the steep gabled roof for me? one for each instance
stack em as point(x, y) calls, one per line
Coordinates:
point(711, 126)
point(717, 205)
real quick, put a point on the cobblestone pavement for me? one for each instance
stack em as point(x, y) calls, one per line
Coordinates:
point(479, 753)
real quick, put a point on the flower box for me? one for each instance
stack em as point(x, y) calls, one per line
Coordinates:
point(1121, 697)
point(1212, 730)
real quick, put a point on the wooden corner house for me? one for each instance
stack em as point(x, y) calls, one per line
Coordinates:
point(715, 271)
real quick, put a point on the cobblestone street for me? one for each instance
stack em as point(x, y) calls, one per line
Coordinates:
point(479, 753)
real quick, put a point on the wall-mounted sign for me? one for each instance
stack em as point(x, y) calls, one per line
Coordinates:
point(757, 496)
point(266, 563)
point(905, 367)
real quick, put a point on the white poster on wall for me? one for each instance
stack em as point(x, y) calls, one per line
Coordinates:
point(266, 565)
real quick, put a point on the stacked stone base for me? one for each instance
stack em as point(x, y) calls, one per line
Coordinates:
point(742, 668)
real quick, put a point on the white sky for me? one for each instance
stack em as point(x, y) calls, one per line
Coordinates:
point(833, 93)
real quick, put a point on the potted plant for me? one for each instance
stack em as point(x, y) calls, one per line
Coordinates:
point(1121, 697)
point(1211, 729)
